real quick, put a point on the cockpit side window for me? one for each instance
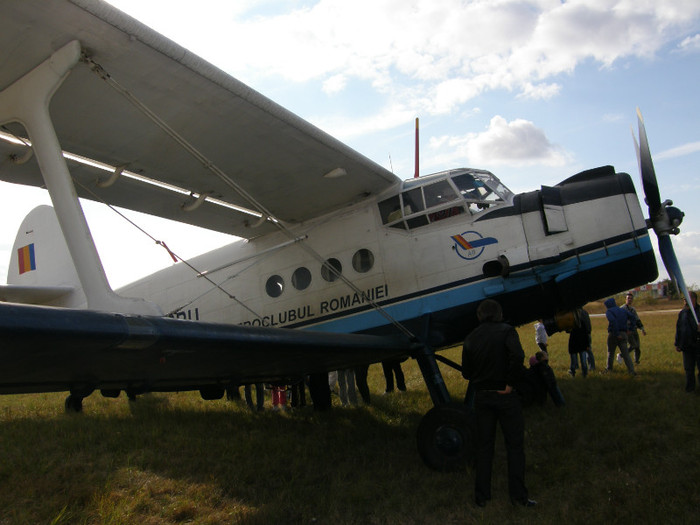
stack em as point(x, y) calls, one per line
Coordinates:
point(438, 193)
point(476, 192)
point(468, 186)
point(441, 196)
point(390, 209)
point(412, 201)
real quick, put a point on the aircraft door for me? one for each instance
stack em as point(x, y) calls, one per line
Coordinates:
point(544, 223)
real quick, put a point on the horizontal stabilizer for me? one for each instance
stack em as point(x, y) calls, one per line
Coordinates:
point(33, 294)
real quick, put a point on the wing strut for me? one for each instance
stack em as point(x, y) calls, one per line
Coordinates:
point(27, 101)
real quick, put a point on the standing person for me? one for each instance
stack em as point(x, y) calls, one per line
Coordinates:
point(298, 393)
point(688, 340)
point(580, 342)
point(320, 391)
point(279, 396)
point(541, 335)
point(633, 323)
point(332, 380)
point(617, 334)
point(492, 361)
point(391, 368)
point(589, 354)
point(346, 383)
point(259, 396)
point(361, 372)
point(538, 381)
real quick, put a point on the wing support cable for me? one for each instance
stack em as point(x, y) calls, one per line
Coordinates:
point(116, 173)
point(254, 256)
point(175, 257)
point(209, 165)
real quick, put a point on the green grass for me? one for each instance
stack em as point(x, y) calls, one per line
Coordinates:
point(623, 450)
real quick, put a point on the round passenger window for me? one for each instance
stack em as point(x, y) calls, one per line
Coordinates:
point(301, 278)
point(363, 260)
point(331, 270)
point(274, 286)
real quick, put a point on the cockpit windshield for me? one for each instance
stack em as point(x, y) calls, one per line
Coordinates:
point(441, 195)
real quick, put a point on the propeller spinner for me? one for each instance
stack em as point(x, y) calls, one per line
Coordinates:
point(664, 218)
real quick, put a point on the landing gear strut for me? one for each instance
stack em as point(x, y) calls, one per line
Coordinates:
point(74, 404)
point(74, 401)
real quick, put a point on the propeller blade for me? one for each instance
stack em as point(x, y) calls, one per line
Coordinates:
point(668, 255)
point(646, 167)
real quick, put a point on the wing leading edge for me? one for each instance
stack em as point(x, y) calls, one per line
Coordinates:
point(269, 152)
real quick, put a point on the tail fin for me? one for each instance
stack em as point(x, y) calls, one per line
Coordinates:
point(41, 269)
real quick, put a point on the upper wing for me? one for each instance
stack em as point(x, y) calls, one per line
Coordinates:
point(56, 349)
point(272, 154)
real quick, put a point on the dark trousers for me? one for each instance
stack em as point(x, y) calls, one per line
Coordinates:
point(361, 382)
point(391, 368)
point(299, 394)
point(259, 396)
point(691, 361)
point(320, 391)
point(492, 408)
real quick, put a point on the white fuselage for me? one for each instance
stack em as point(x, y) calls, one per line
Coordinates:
point(411, 272)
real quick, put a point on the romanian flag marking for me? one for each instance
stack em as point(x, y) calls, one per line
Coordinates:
point(25, 259)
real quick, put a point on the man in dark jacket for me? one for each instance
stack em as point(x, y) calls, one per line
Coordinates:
point(688, 341)
point(492, 361)
point(617, 334)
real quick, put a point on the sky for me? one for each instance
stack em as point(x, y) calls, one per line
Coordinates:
point(533, 91)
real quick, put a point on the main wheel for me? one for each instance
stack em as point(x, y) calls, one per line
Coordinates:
point(446, 437)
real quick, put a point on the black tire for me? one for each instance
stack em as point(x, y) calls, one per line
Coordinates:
point(446, 438)
point(210, 393)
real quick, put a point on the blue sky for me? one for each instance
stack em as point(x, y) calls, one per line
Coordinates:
point(533, 91)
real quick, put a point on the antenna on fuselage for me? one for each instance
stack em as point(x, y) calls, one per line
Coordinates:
point(415, 175)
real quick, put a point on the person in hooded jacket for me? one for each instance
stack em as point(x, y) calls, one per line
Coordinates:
point(618, 319)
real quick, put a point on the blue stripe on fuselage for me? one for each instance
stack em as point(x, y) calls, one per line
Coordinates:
point(458, 293)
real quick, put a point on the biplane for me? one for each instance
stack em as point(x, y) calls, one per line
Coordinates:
point(339, 262)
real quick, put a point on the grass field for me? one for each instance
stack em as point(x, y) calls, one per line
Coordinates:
point(623, 450)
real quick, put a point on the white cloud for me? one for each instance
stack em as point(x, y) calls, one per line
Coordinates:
point(687, 248)
point(679, 151)
point(335, 84)
point(515, 143)
point(449, 51)
point(541, 91)
point(614, 117)
point(690, 44)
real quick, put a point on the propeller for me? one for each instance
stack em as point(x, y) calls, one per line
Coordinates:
point(664, 218)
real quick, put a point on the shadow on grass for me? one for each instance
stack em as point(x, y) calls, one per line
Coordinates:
point(164, 458)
